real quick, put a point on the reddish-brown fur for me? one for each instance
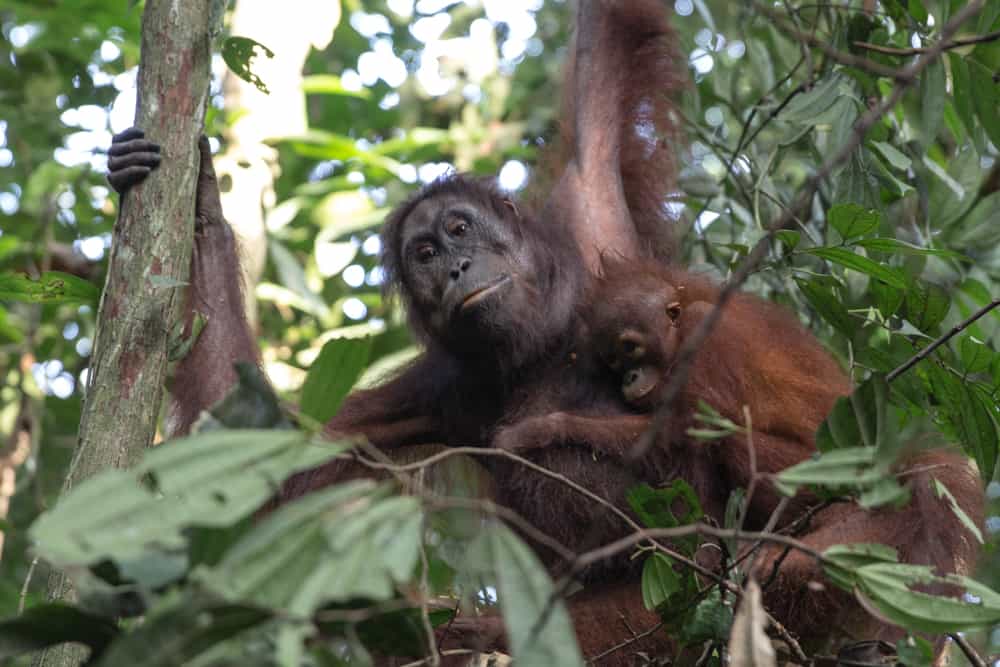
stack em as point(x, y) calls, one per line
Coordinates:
point(759, 356)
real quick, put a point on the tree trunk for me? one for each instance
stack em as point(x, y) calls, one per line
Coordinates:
point(150, 259)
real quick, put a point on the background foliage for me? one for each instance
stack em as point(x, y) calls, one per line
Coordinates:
point(898, 246)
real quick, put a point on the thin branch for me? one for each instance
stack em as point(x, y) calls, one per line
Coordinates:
point(968, 650)
point(531, 465)
point(491, 508)
point(625, 644)
point(611, 549)
point(954, 331)
point(917, 50)
point(425, 613)
point(836, 55)
point(685, 356)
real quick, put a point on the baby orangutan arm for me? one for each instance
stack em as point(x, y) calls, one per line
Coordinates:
point(608, 434)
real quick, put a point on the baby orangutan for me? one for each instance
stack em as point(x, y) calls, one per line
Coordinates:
point(758, 355)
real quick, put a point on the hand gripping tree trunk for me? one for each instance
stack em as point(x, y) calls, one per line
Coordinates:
point(150, 258)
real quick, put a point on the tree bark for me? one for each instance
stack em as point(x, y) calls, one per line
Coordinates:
point(150, 259)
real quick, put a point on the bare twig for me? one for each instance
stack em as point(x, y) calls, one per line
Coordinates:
point(970, 652)
point(685, 356)
point(954, 331)
point(611, 549)
point(870, 66)
point(510, 516)
point(752, 458)
point(625, 644)
point(531, 465)
point(916, 50)
point(425, 614)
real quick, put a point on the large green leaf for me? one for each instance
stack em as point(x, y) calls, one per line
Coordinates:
point(968, 411)
point(895, 588)
point(339, 365)
point(210, 479)
point(51, 287)
point(854, 466)
point(342, 543)
point(932, 99)
point(538, 627)
point(852, 260)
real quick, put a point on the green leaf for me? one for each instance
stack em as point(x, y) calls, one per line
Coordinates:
point(888, 245)
point(894, 588)
point(851, 220)
point(674, 505)
point(51, 624)
point(887, 299)
point(51, 287)
point(710, 620)
point(915, 652)
point(210, 479)
point(863, 418)
point(932, 99)
point(827, 303)
point(238, 52)
point(892, 155)
point(814, 106)
point(942, 491)
point(851, 260)
point(962, 92)
point(981, 227)
point(183, 627)
point(968, 412)
point(838, 468)
point(339, 365)
point(976, 356)
point(659, 580)
point(789, 238)
point(986, 99)
point(525, 593)
point(927, 305)
point(342, 543)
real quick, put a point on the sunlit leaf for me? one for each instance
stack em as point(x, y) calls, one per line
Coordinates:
point(51, 287)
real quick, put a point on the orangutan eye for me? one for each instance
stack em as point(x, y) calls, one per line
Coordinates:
point(674, 310)
point(426, 252)
point(457, 227)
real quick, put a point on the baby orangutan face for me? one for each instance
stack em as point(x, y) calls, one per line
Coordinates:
point(636, 332)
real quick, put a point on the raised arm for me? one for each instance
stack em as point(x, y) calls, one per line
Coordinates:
point(617, 126)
